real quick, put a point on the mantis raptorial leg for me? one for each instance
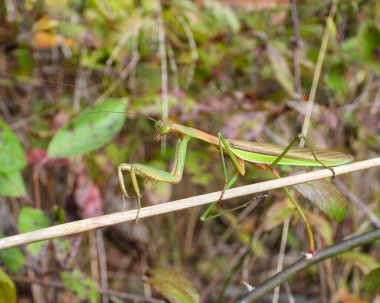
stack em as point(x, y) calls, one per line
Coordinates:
point(151, 173)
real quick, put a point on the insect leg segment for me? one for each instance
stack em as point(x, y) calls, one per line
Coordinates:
point(286, 150)
point(123, 167)
point(152, 173)
point(224, 146)
point(301, 136)
point(137, 190)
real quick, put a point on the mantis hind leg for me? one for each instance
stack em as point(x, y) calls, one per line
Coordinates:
point(287, 191)
point(294, 141)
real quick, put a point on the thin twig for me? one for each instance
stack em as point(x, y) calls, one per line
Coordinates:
point(164, 69)
point(296, 52)
point(120, 217)
point(193, 48)
point(124, 73)
point(361, 206)
point(281, 256)
point(102, 262)
point(317, 72)
point(348, 244)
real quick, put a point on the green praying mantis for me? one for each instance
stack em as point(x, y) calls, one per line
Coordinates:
point(262, 155)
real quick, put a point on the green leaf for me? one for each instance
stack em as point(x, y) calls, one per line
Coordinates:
point(362, 260)
point(369, 41)
point(281, 69)
point(31, 219)
point(12, 184)
point(91, 130)
point(173, 286)
point(83, 286)
point(326, 197)
point(12, 258)
point(25, 59)
point(7, 288)
point(365, 47)
point(371, 283)
point(12, 155)
point(224, 15)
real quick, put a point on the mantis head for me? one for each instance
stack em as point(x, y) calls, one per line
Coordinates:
point(162, 128)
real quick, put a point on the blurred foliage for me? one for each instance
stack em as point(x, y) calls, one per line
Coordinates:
point(7, 288)
point(172, 285)
point(230, 67)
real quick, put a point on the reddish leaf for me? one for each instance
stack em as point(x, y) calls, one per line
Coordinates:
point(87, 196)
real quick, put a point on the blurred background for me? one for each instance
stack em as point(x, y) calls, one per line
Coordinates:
point(243, 68)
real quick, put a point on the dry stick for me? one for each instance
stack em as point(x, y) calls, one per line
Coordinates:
point(120, 217)
point(276, 280)
point(361, 206)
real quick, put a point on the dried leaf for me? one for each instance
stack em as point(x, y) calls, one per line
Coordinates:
point(281, 69)
point(173, 286)
point(326, 197)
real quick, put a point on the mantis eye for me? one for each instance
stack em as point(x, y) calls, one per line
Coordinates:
point(161, 129)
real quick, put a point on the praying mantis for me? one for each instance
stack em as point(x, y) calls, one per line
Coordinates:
point(262, 155)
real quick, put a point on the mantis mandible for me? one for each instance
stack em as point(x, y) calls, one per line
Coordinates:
point(262, 155)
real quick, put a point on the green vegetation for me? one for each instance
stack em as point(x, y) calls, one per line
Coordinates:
point(78, 83)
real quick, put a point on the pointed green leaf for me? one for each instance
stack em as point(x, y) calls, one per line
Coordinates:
point(91, 130)
point(173, 286)
point(12, 258)
point(31, 219)
point(324, 195)
point(362, 260)
point(369, 41)
point(12, 184)
point(281, 69)
point(7, 288)
point(12, 155)
point(83, 286)
point(224, 16)
point(371, 283)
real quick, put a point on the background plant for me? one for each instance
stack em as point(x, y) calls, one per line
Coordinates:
point(208, 64)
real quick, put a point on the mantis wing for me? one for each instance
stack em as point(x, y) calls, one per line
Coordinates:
point(267, 153)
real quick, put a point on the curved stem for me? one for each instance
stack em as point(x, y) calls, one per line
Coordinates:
point(302, 214)
point(276, 280)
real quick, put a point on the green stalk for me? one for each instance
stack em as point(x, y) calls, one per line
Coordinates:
point(302, 214)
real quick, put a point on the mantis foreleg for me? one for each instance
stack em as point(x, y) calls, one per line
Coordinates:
point(150, 173)
point(225, 147)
